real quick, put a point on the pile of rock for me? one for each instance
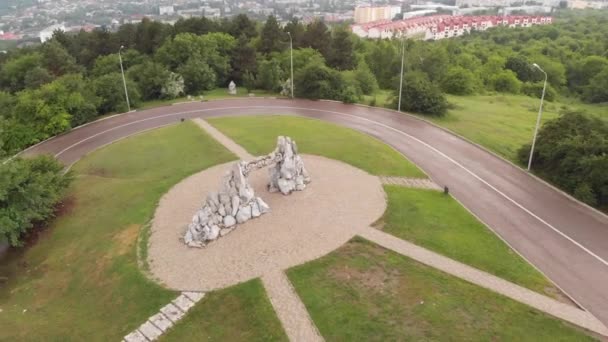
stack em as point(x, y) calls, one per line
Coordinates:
point(235, 203)
point(289, 173)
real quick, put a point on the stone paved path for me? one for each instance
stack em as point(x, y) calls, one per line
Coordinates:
point(168, 315)
point(289, 308)
point(420, 183)
point(548, 305)
point(224, 140)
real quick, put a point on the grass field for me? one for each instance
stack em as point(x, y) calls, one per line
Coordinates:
point(239, 313)
point(258, 135)
point(500, 122)
point(81, 280)
point(215, 94)
point(363, 292)
point(437, 222)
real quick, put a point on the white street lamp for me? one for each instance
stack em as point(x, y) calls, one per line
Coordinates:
point(540, 112)
point(401, 79)
point(291, 57)
point(124, 81)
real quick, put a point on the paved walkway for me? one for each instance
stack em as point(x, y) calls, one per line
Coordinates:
point(548, 305)
point(289, 308)
point(168, 315)
point(224, 140)
point(420, 183)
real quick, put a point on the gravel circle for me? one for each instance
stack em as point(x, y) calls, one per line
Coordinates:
point(341, 201)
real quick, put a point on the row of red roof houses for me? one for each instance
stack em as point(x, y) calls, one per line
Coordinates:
point(443, 26)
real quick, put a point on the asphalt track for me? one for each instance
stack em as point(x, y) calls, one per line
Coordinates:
point(564, 239)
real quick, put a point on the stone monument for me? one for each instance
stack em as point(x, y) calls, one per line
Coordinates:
point(232, 88)
point(236, 202)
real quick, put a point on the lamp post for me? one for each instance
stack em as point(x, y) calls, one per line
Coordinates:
point(540, 112)
point(291, 58)
point(124, 80)
point(401, 79)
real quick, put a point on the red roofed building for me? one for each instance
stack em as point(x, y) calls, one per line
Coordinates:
point(443, 26)
point(9, 36)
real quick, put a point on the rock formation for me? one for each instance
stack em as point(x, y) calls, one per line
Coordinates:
point(289, 173)
point(236, 202)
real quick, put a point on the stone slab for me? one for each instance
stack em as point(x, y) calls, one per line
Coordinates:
point(183, 302)
point(161, 321)
point(150, 331)
point(194, 296)
point(136, 336)
point(172, 312)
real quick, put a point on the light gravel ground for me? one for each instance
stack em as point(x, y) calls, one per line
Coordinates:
point(340, 202)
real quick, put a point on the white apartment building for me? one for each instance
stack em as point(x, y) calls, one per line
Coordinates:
point(366, 14)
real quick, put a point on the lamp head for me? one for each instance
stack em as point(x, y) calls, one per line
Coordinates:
point(535, 65)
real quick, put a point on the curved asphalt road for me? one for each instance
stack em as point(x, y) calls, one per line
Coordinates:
point(564, 239)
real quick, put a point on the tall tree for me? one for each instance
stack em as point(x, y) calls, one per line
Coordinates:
point(297, 30)
point(272, 38)
point(195, 25)
point(57, 60)
point(318, 37)
point(342, 56)
point(241, 25)
point(243, 59)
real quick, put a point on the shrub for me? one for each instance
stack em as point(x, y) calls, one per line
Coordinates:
point(572, 152)
point(536, 90)
point(316, 81)
point(198, 76)
point(506, 81)
point(421, 96)
point(459, 81)
point(29, 191)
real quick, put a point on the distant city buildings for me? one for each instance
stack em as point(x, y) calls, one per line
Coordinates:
point(47, 33)
point(366, 14)
point(442, 26)
point(582, 4)
point(166, 10)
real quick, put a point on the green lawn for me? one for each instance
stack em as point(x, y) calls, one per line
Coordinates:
point(363, 292)
point(215, 94)
point(239, 313)
point(81, 280)
point(258, 135)
point(437, 222)
point(499, 122)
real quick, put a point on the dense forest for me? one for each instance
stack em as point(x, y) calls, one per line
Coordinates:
point(75, 77)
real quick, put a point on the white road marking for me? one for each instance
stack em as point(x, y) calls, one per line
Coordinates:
point(576, 243)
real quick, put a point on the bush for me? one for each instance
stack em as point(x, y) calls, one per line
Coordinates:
point(506, 81)
point(572, 152)
point(365, 78)
point(270, 75)
point(459, 81)
point(421, 96)
point(536, 90)
point(29, 191)
point(150, 78)
point(198, 76)
point(110, 90)
point(316, 81)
